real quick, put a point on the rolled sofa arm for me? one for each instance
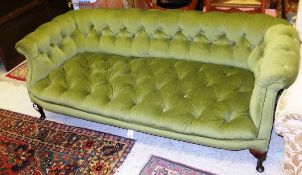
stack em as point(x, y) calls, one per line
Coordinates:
point(280, 62)
point(48, 47)
point(274, 69)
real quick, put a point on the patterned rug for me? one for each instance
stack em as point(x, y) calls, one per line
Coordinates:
point(162, 166)
point(18, 73)
point(30, 146)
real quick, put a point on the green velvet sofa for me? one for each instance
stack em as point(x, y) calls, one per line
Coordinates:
point(207, 78)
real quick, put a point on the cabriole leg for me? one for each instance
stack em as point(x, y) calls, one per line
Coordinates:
point(40, 110)
point(260, 156)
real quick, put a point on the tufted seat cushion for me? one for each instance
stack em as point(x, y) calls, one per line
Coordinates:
point(176, 95)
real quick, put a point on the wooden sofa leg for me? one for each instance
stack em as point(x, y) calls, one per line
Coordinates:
point(260, 156)
point(40, 110)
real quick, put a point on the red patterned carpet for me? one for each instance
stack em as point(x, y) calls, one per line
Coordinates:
point(18, 73)
point(162, 166)
point(30, 146)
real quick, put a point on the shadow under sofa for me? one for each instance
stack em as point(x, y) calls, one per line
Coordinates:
point(206, 78)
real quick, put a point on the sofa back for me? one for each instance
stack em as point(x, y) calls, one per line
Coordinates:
point(207, 37)
point(234, 39)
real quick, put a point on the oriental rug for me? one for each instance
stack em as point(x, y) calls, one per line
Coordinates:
point(161, 166)
point(19, 72)
point(31, 146)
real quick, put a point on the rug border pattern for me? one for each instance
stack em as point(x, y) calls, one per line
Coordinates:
point(55, 125)
point(153, 157)
point(9, 74)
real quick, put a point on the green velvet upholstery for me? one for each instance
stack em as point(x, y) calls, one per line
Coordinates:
point(208, 78)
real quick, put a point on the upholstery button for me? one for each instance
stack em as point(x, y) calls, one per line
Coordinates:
point(134, 103)
point(48, 53)
point(164, 109)
point(108, 99)
point(201, 69)
point(159, 29)
point(142, 28)
point(219, 99)
point(186, 96)
point(242, 90)
point(194, 113)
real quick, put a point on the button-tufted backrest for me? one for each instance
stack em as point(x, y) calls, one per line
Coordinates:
point(231, 39)
point(208, 37)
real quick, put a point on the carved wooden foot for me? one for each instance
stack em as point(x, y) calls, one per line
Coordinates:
point(40, 110)
point(260, 156)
